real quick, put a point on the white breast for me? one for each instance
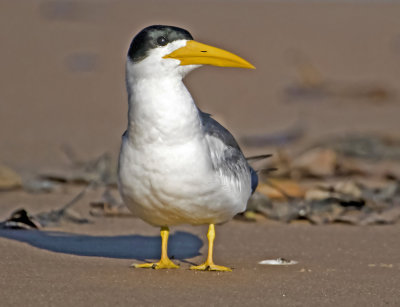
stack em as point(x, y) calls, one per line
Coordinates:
point(165, 172)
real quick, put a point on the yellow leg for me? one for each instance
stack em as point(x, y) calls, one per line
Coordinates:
point(209, 264)
point(165, 262)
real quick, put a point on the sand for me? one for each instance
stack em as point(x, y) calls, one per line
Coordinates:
point(62, 83)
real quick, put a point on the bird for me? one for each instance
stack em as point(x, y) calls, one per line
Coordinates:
point(178, 165)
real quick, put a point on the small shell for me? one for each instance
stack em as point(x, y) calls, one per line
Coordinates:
point(279, 261)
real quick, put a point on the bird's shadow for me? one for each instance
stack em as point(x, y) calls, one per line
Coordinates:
point(182, 245)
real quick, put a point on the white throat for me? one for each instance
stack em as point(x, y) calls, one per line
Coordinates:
point(161, 109)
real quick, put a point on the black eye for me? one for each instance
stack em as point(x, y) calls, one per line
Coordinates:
point(162, 41)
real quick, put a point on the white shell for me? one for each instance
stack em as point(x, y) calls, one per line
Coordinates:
point(278, 261)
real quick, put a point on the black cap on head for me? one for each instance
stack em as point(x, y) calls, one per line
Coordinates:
point(153, 37)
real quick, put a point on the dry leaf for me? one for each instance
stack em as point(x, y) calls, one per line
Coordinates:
point(9, 179)
point(281, 188)
point(317, 162)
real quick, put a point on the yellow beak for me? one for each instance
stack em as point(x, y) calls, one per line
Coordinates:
point(198, 53)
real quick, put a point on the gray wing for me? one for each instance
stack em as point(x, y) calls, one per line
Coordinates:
point(226, 155)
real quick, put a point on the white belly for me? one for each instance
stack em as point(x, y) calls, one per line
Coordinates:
point(169, 185)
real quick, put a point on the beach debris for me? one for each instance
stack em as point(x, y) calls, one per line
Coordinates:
point(304, 270)
point(39, 185)
point(390, 215)
point(352, 179)
point(99, 171)
point(341, 155)
point(109, 206)
point(20, 219)
point(382, 265)
point(281, 211)
point(280, 188)
point(345, 202)
point(363, 146)
point(258, 201)
point(9, 179)
point(278, 261)
point(346, 192)
point(316, 162)
point(65, 213)
point(247, 216)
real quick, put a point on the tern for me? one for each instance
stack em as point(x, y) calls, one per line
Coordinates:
point(178, 165)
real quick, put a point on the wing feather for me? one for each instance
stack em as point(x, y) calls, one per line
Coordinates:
point(226, 155)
